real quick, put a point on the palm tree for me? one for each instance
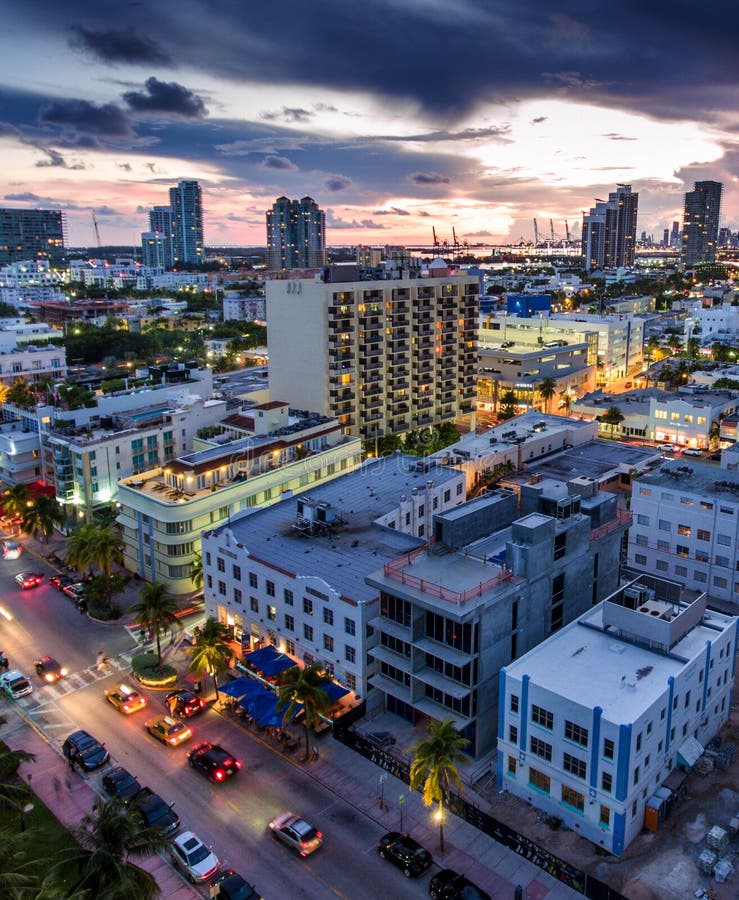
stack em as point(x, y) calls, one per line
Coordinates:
point(16, 500)
point(15, 878)
point(155, 612)
point(304, 687)
point(507, 405)
point(106, 549)
point(79, 548)
point(434, 765)
point(110, 837)
point(547, 389)
point(42, 516)
point(612, 417)
point(211, 653)
point(196, 570)
point(14, 792)
point(565, 401)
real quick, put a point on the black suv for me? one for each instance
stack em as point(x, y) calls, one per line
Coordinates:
point(450, 885)
point(405, 853)
point(119, 782)
point(184, 704)
point(83, 750)
point(154, 812)
point(213, 761)
point(231, 886)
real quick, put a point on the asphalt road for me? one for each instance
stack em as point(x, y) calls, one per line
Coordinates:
point(232, 817)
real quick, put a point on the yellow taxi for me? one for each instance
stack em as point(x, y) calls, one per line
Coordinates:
point(168, 730)
point(126, 699)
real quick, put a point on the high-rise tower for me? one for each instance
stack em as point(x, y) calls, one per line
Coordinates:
point(186, 204)
point(700, 222)
point(609, 230)
point(30, 234)
point(160, 223)
point(296, 234)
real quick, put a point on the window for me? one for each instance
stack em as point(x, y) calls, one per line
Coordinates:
point(542, 717)
point(514, 703)
point(289, 597)
point(328, 616)
point(641, 540)
point(541, 748)
point(237, 573)
point(686, 501)
point(573, 798)
point(719, 582)
point(270, 588)
point(350, 654)
point(685, 530)
point(540, 781)
point(220, 564)
point(272, 613)
point(254, 604)
point(636, 774)
point(574, 765)
point(641, 560)
point(682, 550)
point(663, 525)
point(350, 626)
point(605, 816)
point(207, 558)
point(512, 766)
point(661, 565)
point(307, 606)
point(351, 681)
point(663, 545)
point(681, 571)
point(513, 734)
point(606, 781)
point(576, 733)
point(308, 632)
point(642, 519)
point(328, 643)
point(289, 623)
point(252, 579)
point(724, 540)
point(237, 595)
point(704, 535)
point(222, 588)
point(638, 742)
point(608, 748)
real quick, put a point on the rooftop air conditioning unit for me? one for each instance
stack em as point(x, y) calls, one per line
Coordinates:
point(635, 596)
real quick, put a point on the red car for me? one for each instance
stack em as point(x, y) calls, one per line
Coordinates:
point(28, 580)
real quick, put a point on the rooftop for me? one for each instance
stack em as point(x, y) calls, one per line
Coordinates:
point(698, 477)
point(594, 459)
point(357, 546)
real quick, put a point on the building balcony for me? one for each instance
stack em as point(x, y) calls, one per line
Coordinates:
point(396, 427)
point(371, 402)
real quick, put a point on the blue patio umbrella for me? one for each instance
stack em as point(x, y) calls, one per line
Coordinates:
point(236, 688)
point(335, 691)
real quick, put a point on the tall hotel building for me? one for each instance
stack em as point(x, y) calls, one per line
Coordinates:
point(30, 234)
point(186, 204)
point(296, 234)
point(700, 222)
point(160, 223)
point(609, 230)
point(384, 356)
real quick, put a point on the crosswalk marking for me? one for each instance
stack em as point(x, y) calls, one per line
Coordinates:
point(77, 681)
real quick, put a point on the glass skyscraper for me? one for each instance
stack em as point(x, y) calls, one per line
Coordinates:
point(700, 222)
point(186, 204)
point(609, 230)
point(30, 234)
point(296, 234)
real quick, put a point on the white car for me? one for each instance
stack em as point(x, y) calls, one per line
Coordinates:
point(668, 448)
point(193, 858)
point(692, 451)
point(15, 684)
point(11, 549)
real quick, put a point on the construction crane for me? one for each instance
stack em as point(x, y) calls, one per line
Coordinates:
point(568, 236)
point(95, 226)
point(536, 233)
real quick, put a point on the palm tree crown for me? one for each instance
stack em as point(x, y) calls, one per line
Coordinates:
point(41, 517)
point(110, 837)
point(547, 389)
point(211, 653)
point(155, 612)
point(304, 687)
point(16, 500)
point(434, 765)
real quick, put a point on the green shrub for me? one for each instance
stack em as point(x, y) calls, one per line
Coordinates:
point(146, 671)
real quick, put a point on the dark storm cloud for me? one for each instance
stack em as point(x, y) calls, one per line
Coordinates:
point(289, 115)
point(82, 116)
point(29, 197)
point(281, 163)
point(54, 159)
point(467, 134)
point(423, 178)
point(334, 221)
point(337, 183)
point(538, 120)
point(126, 45)
point(393, 211)
point(166, 97)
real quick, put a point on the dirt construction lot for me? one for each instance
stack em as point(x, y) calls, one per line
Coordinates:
point(661, 866)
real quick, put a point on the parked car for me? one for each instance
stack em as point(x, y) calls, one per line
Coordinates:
point(298, 834)
point(119, 782)
point(11, 549)
point(85, 751)
point(168, 730)
point(28, 580)
point(668, 448)
point(154, 812)
point(126, 699)
point(229, 885)
point(450, 885)
point(59, 582)
point(14, 684)
point(49, 670)
point(692, 451)
point(193, 858)
point(405, 853)
point(184, 704)
point(213, 761)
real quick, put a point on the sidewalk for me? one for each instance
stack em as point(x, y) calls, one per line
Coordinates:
point(69, 796)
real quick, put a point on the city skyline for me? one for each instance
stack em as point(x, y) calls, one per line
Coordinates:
point(394, 117)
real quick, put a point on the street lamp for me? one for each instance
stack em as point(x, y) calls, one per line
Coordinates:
point(24, 812)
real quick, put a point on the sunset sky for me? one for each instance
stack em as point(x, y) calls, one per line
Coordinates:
point(394, 115)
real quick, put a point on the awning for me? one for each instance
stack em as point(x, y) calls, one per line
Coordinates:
point(269, 661)
point(238, 687)
point(335, 691)
point(690, 752)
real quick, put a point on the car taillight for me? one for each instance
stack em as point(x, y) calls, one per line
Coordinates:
point(237, 763)
point(319, 835)
point(218, 775)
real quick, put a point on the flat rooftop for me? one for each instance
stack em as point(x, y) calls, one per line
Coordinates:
point(594, 459)
point(695, 477)
point(357, 546)
point(630, 677)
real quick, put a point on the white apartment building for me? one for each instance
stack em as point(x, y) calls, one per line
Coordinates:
point(28, 273)
point(382, 356)
point(596, 718)
point(686, 527)
point(30, 362)
point(16, 332)
point(246, 309)
point(620, 337)
point(165, 509)
point(684, 417)
point(294, 574)
point(20, 454)
point(716, 323)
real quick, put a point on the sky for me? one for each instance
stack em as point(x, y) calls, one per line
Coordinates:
point(396, 116)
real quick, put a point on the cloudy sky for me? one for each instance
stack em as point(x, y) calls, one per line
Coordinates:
point(394, 115)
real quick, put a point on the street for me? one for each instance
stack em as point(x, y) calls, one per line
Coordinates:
point(231, 817)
